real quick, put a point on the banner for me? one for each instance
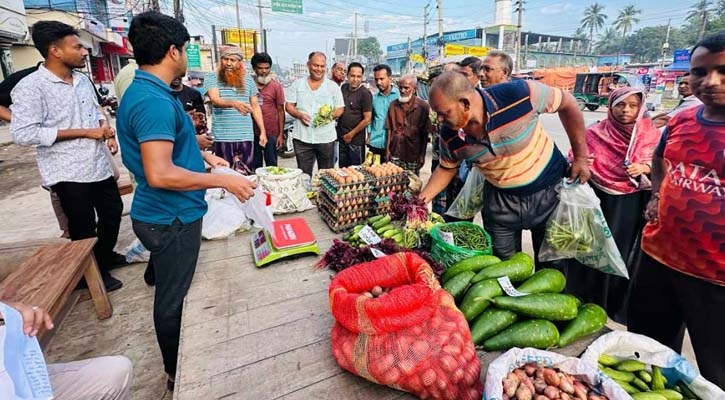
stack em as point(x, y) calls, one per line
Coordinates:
point(458, 50)
point(244, 38)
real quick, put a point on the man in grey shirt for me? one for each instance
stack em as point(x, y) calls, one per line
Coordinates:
point(688, 100)
point(55, 109)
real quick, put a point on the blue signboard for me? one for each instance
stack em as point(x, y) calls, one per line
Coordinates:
point(681, 60)
point(416, 46)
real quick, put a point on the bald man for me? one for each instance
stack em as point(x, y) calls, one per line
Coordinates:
point(337, 73)
point(498, 129)
point(408, 125)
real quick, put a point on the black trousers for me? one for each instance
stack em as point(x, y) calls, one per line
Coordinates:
point(174, 249)
point(664, 302)
point(350, 154)
point(506, 215)
point(266, 156)
point(308, 153)
point(81, 203)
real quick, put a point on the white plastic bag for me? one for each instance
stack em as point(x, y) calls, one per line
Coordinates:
point(136, 252)
point(470, 199)
point(289, 191)
point(517, 357)
point(225, 215)
point(627, 345)
point(577, 229)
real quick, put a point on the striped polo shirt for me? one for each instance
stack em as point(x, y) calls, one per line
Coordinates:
point(227, 124)
point(521, 158)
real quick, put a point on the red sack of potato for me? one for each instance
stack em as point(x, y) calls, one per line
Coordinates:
point(412, 339)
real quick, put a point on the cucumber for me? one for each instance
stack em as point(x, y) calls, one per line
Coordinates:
point(658, 380)
point(645, 376)
point(639, 384)
point(619, 375)
point(479, 297)
point(536, 333)
point(687, 392)
point(517, 268)
point(607, 360)
point(491, 322)
point(390, 233)
point(627, 387)
point(398, 238)
point(648, 396)
point(546, 280)
point(382, 222)
point(669, 394)
point(630, 365)
point(385, 228)
point(458, 285)
point(551, 306)
point(590, 319)
point(473, 264)
point(375, 219)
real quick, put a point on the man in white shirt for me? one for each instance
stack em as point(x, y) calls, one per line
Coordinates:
point(304, 99)
point(56, 109)
point(688, 100)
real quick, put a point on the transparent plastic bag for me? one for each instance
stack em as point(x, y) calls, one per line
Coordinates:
point(577, 229)
point(470, 199)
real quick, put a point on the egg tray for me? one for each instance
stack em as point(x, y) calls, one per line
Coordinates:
point(396, 179)
point(339, 208)
point(338, 196)
point(335, 225)
point(329, 179)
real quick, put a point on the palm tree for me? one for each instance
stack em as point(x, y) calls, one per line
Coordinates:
point(627, 18)
point(700, 14)
point(581, 33)
point(593, 20)
point(607, 40)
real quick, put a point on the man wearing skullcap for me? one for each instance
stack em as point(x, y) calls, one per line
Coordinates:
point(234, 100)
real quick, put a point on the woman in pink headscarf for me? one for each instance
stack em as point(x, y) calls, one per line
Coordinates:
point(620, 155)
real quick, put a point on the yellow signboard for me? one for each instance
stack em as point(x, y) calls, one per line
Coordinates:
point(477, 51)
point(455, 50)
point(458, 50)
point(244, 38)
point(417, 58)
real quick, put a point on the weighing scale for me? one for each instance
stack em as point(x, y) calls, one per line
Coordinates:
point(289, 237)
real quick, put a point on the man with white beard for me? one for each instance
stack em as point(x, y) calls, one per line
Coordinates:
point(271, 95)
point(408, 125)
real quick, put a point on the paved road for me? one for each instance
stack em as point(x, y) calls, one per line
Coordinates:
point(552, 125)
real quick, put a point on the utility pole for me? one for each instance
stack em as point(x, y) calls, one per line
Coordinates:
point(214, 47)
point(239, 26)
point(354, 39)
point(262, 33)
point(666, 44)
point(178, 12)
point(407, 61)
point(520, 10)
point(441, 45)
point(425, 35)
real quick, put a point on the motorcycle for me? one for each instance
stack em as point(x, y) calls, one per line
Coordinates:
point(288, 150)
point(108, 102)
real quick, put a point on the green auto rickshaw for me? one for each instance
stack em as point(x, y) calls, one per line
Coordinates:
point(592, 89)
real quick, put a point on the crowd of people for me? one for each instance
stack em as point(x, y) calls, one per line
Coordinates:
point(661, 193)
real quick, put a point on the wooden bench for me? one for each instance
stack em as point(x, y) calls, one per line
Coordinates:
point(49, 277)
point(124, 182)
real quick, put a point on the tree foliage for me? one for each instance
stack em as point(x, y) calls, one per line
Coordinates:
point(627, 18)
point(370, 48)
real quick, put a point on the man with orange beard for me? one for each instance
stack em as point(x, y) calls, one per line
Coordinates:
point(234, 97)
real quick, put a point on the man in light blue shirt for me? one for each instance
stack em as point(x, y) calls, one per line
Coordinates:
point(305, 97)
point(381, 102)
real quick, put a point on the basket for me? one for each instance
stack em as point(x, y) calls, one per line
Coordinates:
point(448, 254)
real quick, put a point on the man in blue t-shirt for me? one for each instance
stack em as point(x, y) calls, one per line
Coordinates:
point(160, 149)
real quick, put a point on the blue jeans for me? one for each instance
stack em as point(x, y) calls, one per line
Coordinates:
point(351, 154)
point(268, 155)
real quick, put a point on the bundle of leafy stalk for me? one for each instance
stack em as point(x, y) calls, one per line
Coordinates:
point(467, 236)
point(410, 208)
point(342, 255)
point(572, 237)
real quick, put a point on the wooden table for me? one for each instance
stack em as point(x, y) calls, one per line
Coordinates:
point(250, 333)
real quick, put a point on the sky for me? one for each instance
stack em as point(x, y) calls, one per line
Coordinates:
point(291, 37)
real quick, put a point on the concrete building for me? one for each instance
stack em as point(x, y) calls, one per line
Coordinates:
point(538, 50)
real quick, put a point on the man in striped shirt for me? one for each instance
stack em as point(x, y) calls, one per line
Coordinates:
point(234, 96)
point(498, 130)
